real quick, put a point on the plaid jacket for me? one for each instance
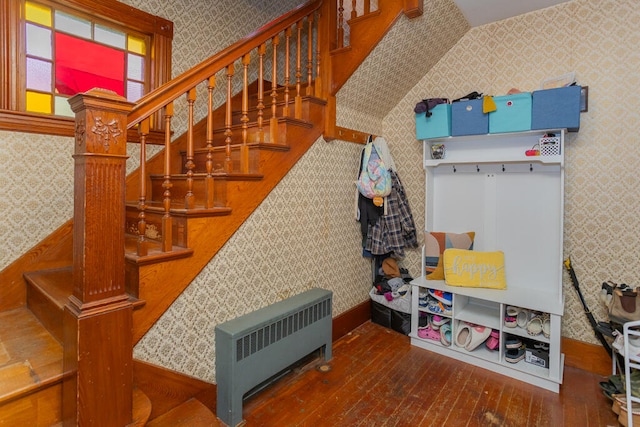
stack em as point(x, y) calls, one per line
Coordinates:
point(396, 230)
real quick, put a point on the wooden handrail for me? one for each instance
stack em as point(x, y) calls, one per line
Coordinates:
point(178, 86)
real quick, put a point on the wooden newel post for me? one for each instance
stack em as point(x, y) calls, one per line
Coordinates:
point(97, 387)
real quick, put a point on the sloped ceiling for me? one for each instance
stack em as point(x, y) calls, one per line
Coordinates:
point(399, 61)
point(480, 12)
point(409, 51)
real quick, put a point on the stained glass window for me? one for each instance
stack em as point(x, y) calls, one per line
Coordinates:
point(68, 54)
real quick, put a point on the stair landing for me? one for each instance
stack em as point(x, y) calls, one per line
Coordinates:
point(30, 371)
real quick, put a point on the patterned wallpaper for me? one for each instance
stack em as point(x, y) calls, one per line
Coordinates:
point(275, 254)
point(597, 39)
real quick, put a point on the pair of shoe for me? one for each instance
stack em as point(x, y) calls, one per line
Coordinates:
point(493, 342)
point(514, 355)
point(470, 336)
point(445, 334)
point(539, 324)
point(438, 321)
point(437, 307)
point(429, 333)
point(517, 317)
point(444, 297)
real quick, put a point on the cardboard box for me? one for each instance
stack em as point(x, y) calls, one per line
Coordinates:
point(537, 356)
point(556, 108)
point(438, 125)
point(513, 113)
point(467, 118)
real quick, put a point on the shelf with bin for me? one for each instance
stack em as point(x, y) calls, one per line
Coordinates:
point(504, 148)
point(487, 184)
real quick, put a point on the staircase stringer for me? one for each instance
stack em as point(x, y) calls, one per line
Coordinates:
point(160, 284)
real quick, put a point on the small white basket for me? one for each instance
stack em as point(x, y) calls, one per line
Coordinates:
point(549, 146)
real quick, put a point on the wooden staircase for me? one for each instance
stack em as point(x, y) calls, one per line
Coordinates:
point(182, 206)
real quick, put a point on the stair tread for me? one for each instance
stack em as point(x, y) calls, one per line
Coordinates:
point(30, 358)
point(56, 283)
point(192, 413)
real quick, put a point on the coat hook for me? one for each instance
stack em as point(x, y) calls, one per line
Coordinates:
point(530, 167)
point(454, 169)
point(503, 168)
point(477, 168)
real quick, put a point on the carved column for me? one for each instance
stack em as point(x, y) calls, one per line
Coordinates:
point(97, 387)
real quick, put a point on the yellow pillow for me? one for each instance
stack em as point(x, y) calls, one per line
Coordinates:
point(474, 269)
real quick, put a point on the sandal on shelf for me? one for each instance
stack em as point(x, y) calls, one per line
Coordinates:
point(513, 311)
point(546, 325)
point(445, 334)
point(512, 342)
point(523, 318)
point(510, 321)
point(514, 355)
point(534, 327)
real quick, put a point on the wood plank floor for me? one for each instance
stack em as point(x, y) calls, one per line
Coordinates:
point(377, 378)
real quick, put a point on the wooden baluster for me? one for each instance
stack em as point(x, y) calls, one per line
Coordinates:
point(354, 12)
point(143, 131)
point(244, 148)
point(273, 122)
point(208, 183)
point(261, 51)
point(340, 24)
point(367, 6)
point(318, 81)
point(287, 66)
point(298, 99)
point(228, 165)
point(167, 221)
point(189, 199)
point(309, 90)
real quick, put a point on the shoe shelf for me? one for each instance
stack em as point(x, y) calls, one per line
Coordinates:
point(630, 332)
point(477, 311)
point(515, 204)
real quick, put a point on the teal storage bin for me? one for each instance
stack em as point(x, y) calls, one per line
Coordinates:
point(436, 126)
point(513, 113)
point(556, 108)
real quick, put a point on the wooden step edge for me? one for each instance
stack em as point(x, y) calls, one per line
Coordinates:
point(363, 18)
point(55, 283)
point(340, 50)
point(229, 176)
point(180, 211)
point(281, 120)
point(266, 146)
point(25, 391)
point(175, 253)
point(141, 408)
point(191, 413)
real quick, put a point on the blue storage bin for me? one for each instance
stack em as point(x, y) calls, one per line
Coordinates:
point(436, 126)
point(556, 108)
point(513, 113)
point(467, 118)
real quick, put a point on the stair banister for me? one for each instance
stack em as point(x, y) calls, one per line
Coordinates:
point(178, 86)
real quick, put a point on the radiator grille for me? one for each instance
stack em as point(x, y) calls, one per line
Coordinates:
point(255, 341)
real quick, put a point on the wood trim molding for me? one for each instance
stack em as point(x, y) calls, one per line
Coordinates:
point(350, 135)
point(351, 319)
point(12, 114)
point(586, 356)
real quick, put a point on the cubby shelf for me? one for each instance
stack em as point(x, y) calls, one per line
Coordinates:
point(513, 203)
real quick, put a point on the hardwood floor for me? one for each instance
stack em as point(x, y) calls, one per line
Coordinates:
point(377, 378)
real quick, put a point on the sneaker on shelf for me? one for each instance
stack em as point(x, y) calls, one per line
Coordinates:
point(437, 307)
point(423, 299)
point(443, 297)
